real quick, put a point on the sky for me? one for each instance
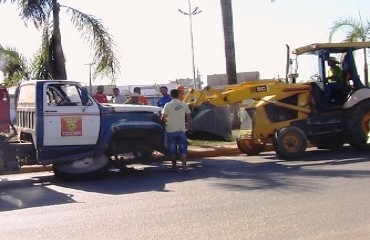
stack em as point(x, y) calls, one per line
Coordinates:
point(153, 37)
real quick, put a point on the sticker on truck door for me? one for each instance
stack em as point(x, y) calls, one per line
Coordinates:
point(71, 126)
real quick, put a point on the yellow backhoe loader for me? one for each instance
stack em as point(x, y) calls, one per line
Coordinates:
point(291, 113)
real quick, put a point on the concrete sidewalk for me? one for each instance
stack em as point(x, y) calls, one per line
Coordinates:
point(194, 152)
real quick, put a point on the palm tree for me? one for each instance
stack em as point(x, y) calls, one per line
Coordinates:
point(45, 14)
point(227, 20)
point(14, 66)
point(355, 31)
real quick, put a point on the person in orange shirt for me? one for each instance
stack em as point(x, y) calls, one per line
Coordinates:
point(99, 95)
point(181, 90)
point(143, 100)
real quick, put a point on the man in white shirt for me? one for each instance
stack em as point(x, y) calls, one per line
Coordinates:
point(117, 97)
point(175, 114)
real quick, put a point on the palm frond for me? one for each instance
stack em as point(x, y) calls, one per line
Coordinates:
point(41, 64)
point(35, 10)
point(346, 25)
point(100, 41)
point(14, 67)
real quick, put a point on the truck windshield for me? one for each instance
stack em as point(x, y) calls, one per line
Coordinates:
point(63, 95)
point(307, 66)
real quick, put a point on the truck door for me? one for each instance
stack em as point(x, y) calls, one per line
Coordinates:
point(66, 120)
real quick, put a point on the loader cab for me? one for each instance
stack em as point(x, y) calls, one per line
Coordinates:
point(338, 89)
point(328, 93)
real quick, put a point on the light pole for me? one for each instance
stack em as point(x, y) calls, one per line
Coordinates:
point(190, 13)
point(90, 85)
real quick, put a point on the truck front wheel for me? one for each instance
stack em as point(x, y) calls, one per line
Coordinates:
point(290, 143)
point(83, 169)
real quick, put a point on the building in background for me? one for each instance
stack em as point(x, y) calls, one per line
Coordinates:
point(220, 80)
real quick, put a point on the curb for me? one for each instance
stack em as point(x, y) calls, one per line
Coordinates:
point(213, 151)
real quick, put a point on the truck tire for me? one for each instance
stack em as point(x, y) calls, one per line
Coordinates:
point(290, 143)
point(356, 126)
point(84, 169)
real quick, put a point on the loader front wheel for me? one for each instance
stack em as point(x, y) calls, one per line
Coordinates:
point(250, 147)
point(83, 169)
point(357, 125)
point(290, 143)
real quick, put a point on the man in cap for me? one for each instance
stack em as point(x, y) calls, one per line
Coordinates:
point(143, 100)
point(336, 86)
point(134, 99)
point(181, 90)
point(335, 73)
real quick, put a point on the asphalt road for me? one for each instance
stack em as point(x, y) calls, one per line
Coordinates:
point(324, 196)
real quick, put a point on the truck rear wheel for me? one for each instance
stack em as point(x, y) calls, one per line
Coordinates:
point(290, 143)
point(356, 125)
point(83, 169)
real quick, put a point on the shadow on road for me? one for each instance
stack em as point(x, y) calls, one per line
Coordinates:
point(239, 173)
point(28, 193)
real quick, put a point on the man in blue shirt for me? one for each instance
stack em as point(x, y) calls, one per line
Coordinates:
point(165, 97)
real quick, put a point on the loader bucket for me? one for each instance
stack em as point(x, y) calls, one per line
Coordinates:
point(211, 122)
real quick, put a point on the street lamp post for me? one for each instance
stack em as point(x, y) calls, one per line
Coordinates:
point(90, 85)
point(190, 13)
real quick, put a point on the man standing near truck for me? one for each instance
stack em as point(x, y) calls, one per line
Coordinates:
point(117, 97)
point(165, 97)
point(175, 114)
point(99, 95)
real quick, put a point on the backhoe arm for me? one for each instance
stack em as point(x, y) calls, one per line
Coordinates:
point(236, 94)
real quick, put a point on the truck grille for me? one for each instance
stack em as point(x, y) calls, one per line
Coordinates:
point(26, 119)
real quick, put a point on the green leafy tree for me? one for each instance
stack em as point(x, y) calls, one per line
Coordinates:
point(50, 60)
point(355, 31)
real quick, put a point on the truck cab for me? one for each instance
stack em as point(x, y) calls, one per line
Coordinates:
point(59, 123)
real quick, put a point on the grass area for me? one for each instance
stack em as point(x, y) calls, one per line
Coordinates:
point(206, 140)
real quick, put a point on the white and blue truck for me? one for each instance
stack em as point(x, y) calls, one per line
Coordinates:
point(59, 123)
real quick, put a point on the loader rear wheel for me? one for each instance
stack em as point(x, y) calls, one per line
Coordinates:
point(83, 169)
point(250, 147)
point(290, 143)
point(356, 126)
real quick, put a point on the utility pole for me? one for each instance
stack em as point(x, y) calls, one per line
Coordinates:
point(190, 13)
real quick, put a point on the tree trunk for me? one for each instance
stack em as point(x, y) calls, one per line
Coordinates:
point(58, 60)
point(227, 19)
